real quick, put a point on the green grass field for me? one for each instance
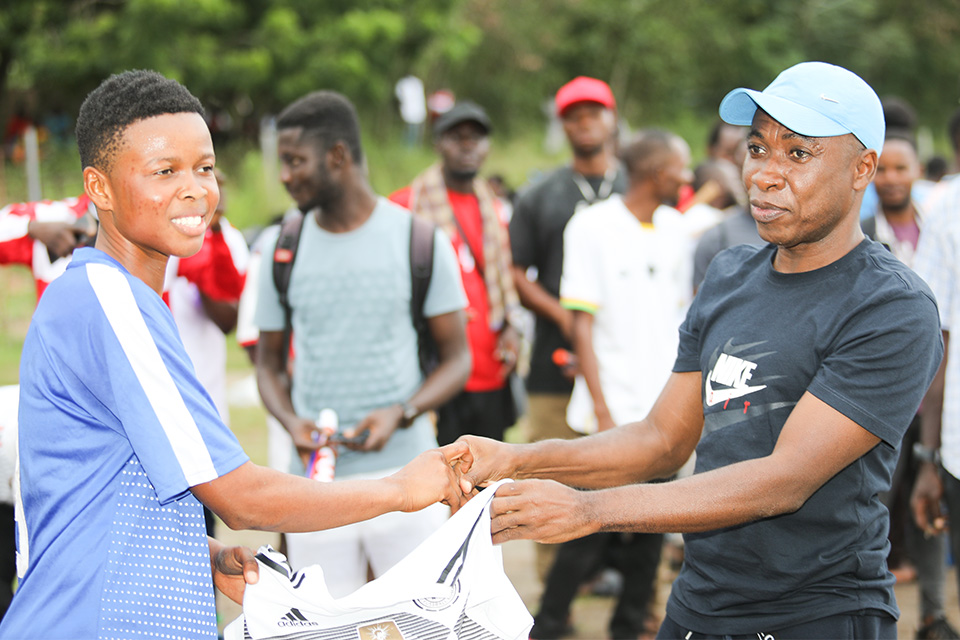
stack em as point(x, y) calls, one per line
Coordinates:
point(17, 298)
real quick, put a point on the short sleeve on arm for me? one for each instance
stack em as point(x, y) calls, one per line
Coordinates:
point(445, 293)
point(936, 262)
point(167, 416)
point(13, 225)
point(268, 315)
point(881, 365)
point(688, 349)
point(523, 232)
point(581, 282)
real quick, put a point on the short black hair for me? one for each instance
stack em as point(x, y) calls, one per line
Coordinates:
point(906, 135)
point(937, 167)
point(118, 102)
point(647, 152)
point(898, 113)
point(328, 116)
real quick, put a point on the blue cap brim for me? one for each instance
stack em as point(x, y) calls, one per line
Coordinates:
point(740, 105)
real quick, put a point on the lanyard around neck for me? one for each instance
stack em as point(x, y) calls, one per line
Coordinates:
point(606, 187)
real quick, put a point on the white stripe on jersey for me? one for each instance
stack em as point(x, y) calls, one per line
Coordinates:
point(116, 298)
point(20, 519)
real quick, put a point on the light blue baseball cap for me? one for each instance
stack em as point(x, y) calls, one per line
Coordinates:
point(813, 99)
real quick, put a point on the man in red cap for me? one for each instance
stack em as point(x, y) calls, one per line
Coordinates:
point(587, 109)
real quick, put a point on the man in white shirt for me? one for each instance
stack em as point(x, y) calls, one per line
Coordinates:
point(626, 278)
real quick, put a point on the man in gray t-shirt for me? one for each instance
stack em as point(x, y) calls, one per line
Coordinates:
point(354, 344)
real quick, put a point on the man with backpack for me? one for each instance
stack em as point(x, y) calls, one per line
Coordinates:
point(452, 195)
point(359, 284)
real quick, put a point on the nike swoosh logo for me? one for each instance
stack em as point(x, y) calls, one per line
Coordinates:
point(716, 396)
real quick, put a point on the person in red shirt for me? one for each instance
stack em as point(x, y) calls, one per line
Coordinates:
point(452, 196)
point(42, 235)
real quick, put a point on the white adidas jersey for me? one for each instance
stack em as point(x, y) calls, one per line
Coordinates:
point(451, 586)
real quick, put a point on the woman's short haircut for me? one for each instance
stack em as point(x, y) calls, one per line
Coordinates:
point(121, 100)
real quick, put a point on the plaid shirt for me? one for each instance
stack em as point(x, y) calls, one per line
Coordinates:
point(938, 262)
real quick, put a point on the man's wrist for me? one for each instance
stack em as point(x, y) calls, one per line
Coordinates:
point(923, 453)
point(393, 493)
point(520, 459)
point(408, 413)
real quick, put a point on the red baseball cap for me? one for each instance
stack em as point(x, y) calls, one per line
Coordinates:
point(584, 89)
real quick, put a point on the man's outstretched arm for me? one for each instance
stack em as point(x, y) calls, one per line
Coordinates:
point(816, 443)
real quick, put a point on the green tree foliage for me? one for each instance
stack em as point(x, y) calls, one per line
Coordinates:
point(234, 54)
point(667, 60)
point(670, 59)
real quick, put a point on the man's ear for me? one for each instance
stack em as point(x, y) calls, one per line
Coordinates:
point(338, 156)
point(865, 168)
point(96, 184)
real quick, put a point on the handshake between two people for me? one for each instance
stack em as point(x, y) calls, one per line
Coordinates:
point(540, 510)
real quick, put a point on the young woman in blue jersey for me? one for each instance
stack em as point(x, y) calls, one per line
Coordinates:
point(119, 443)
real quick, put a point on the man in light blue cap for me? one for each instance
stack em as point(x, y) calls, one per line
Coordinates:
point(845, 104)
point(799, 368)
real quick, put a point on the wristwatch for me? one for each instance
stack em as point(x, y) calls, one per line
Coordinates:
point(925, 454)
point(410, 413)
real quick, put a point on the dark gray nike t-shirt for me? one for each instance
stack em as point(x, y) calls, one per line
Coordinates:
point(862, 335)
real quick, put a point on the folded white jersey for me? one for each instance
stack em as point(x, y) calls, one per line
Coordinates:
point(451, 586)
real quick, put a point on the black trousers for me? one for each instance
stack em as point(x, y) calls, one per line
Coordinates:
point(478, 413)
point(8, 555)
point(635, 555)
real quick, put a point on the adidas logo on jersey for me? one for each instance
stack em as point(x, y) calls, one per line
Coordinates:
point(296, 619)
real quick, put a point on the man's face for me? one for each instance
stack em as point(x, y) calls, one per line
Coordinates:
point(589, 126)
point(162, 185)
point(897, 169)
point(674, 174)
point(303, 169)
point(799, 188)
point(464, 149)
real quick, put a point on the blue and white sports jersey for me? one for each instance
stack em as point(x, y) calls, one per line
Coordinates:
point(114, 430)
